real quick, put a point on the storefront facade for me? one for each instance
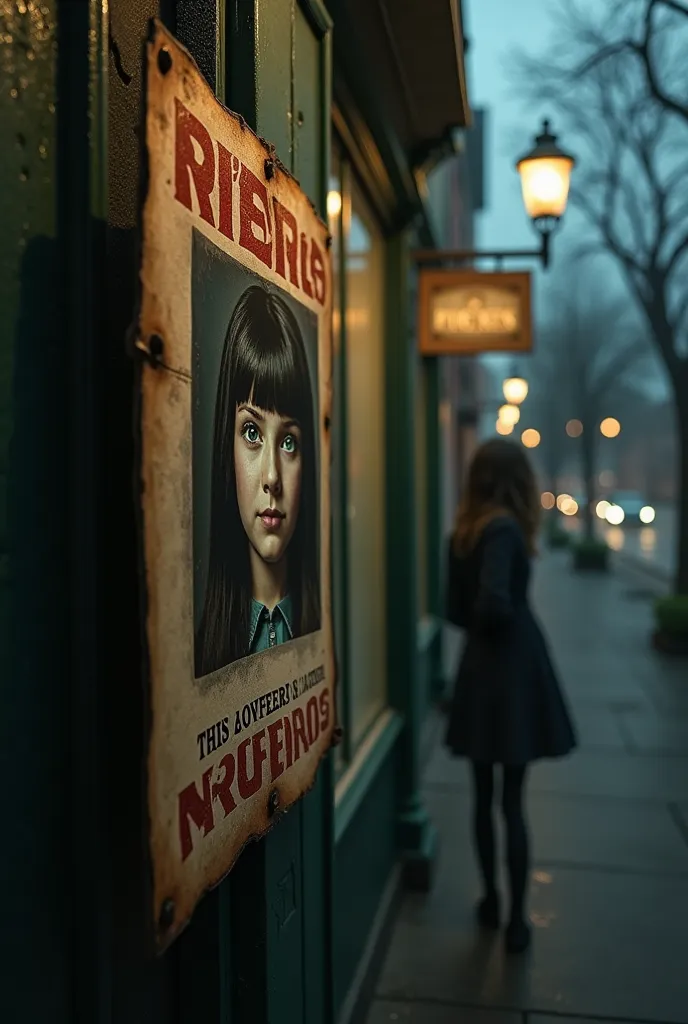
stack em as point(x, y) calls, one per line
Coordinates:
point(358, 100)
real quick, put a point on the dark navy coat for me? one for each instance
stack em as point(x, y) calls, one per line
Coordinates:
point(507, 707)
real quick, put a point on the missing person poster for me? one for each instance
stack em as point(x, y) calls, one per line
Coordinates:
point(234, 451)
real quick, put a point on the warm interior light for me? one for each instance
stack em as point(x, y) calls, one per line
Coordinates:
point(334, 204)
point(610, 427)
point(574, 428)
point(515, 390)
point(530, 438)
point(504, 428)
point(547, 499)
point(647, 515)
point(510, 414)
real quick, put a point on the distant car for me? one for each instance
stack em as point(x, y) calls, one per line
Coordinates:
point(636, 511)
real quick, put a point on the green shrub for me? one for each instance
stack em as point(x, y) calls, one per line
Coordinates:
point(671, 614)
point(590, 554)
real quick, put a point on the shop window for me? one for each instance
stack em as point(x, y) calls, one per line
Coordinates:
point(365, 413)
point(358, 455)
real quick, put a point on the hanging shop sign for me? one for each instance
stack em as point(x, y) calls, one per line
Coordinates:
point(234, 449)
point(466, 312)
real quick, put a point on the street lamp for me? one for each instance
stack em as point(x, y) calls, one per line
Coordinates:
point(545, 178)
point(545, 172)
point(515, 389)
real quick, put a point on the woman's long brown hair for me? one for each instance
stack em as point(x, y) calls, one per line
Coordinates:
point(500, 482)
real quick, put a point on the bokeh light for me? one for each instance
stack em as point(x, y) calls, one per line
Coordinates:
point(515, 390)
point(615, 515)
point(647, 515)
point(569, 506)
point(615, 538)
point(334, 204)
point(561, 499)
point(601, 508)
point(547, 499)
point(530, 438)
point(610, 427)
point(574, 428)
point(648, 540)
point(510, 414)
point(504, 428)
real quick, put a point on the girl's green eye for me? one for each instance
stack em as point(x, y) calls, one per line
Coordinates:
point(289, 444)
point(251, 434)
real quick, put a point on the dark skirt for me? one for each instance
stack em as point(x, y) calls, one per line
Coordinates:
point(508, 706)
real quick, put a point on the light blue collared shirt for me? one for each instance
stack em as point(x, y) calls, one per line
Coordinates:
point(268, 629)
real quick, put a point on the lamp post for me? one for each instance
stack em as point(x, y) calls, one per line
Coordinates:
point(545, 172)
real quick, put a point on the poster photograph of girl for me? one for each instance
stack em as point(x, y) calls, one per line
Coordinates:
point(255, 457)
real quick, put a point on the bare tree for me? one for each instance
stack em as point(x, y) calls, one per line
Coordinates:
point(590, 351)
point(605, 82)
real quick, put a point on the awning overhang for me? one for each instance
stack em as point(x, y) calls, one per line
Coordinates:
point(402, 65)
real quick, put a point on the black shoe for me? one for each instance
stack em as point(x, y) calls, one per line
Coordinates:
point(487, 912)
point(517, 937)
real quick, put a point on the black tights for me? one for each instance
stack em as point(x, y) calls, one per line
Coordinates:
point(516, 831)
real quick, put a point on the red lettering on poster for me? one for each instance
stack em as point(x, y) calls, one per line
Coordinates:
point(300, 738)
point(318, 273)
point(187, 130)
point(288, 737)
point(312, 720)
point(248, 785)
point(197, 808)
point(223, 788)
point(254, 212)
point(275, 730)
point(305, 279)
point(226, 163)
point(324, 710)
point(286, 241)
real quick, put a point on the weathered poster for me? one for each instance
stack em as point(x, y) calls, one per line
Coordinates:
point(234, 335)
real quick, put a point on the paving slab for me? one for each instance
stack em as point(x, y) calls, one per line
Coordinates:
point(609, 835)
point(590, 773)
point(602, 947)
point(385, 1012)
point(656, 732)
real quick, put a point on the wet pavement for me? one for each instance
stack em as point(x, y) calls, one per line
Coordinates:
point(609, 827)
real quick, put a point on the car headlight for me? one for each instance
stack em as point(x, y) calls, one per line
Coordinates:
point(615, 515)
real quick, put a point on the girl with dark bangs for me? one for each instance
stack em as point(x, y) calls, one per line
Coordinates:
point(507, 708)
point(263, 584)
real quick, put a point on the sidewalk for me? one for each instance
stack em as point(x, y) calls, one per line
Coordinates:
point(609, 884)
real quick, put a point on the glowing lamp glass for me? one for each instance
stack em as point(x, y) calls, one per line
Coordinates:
point(515, 390)
point(545, 185)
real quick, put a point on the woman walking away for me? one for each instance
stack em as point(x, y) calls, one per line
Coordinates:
point(507, 707)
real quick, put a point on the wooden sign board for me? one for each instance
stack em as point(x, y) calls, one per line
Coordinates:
point(467, 312)
point(235, 376)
